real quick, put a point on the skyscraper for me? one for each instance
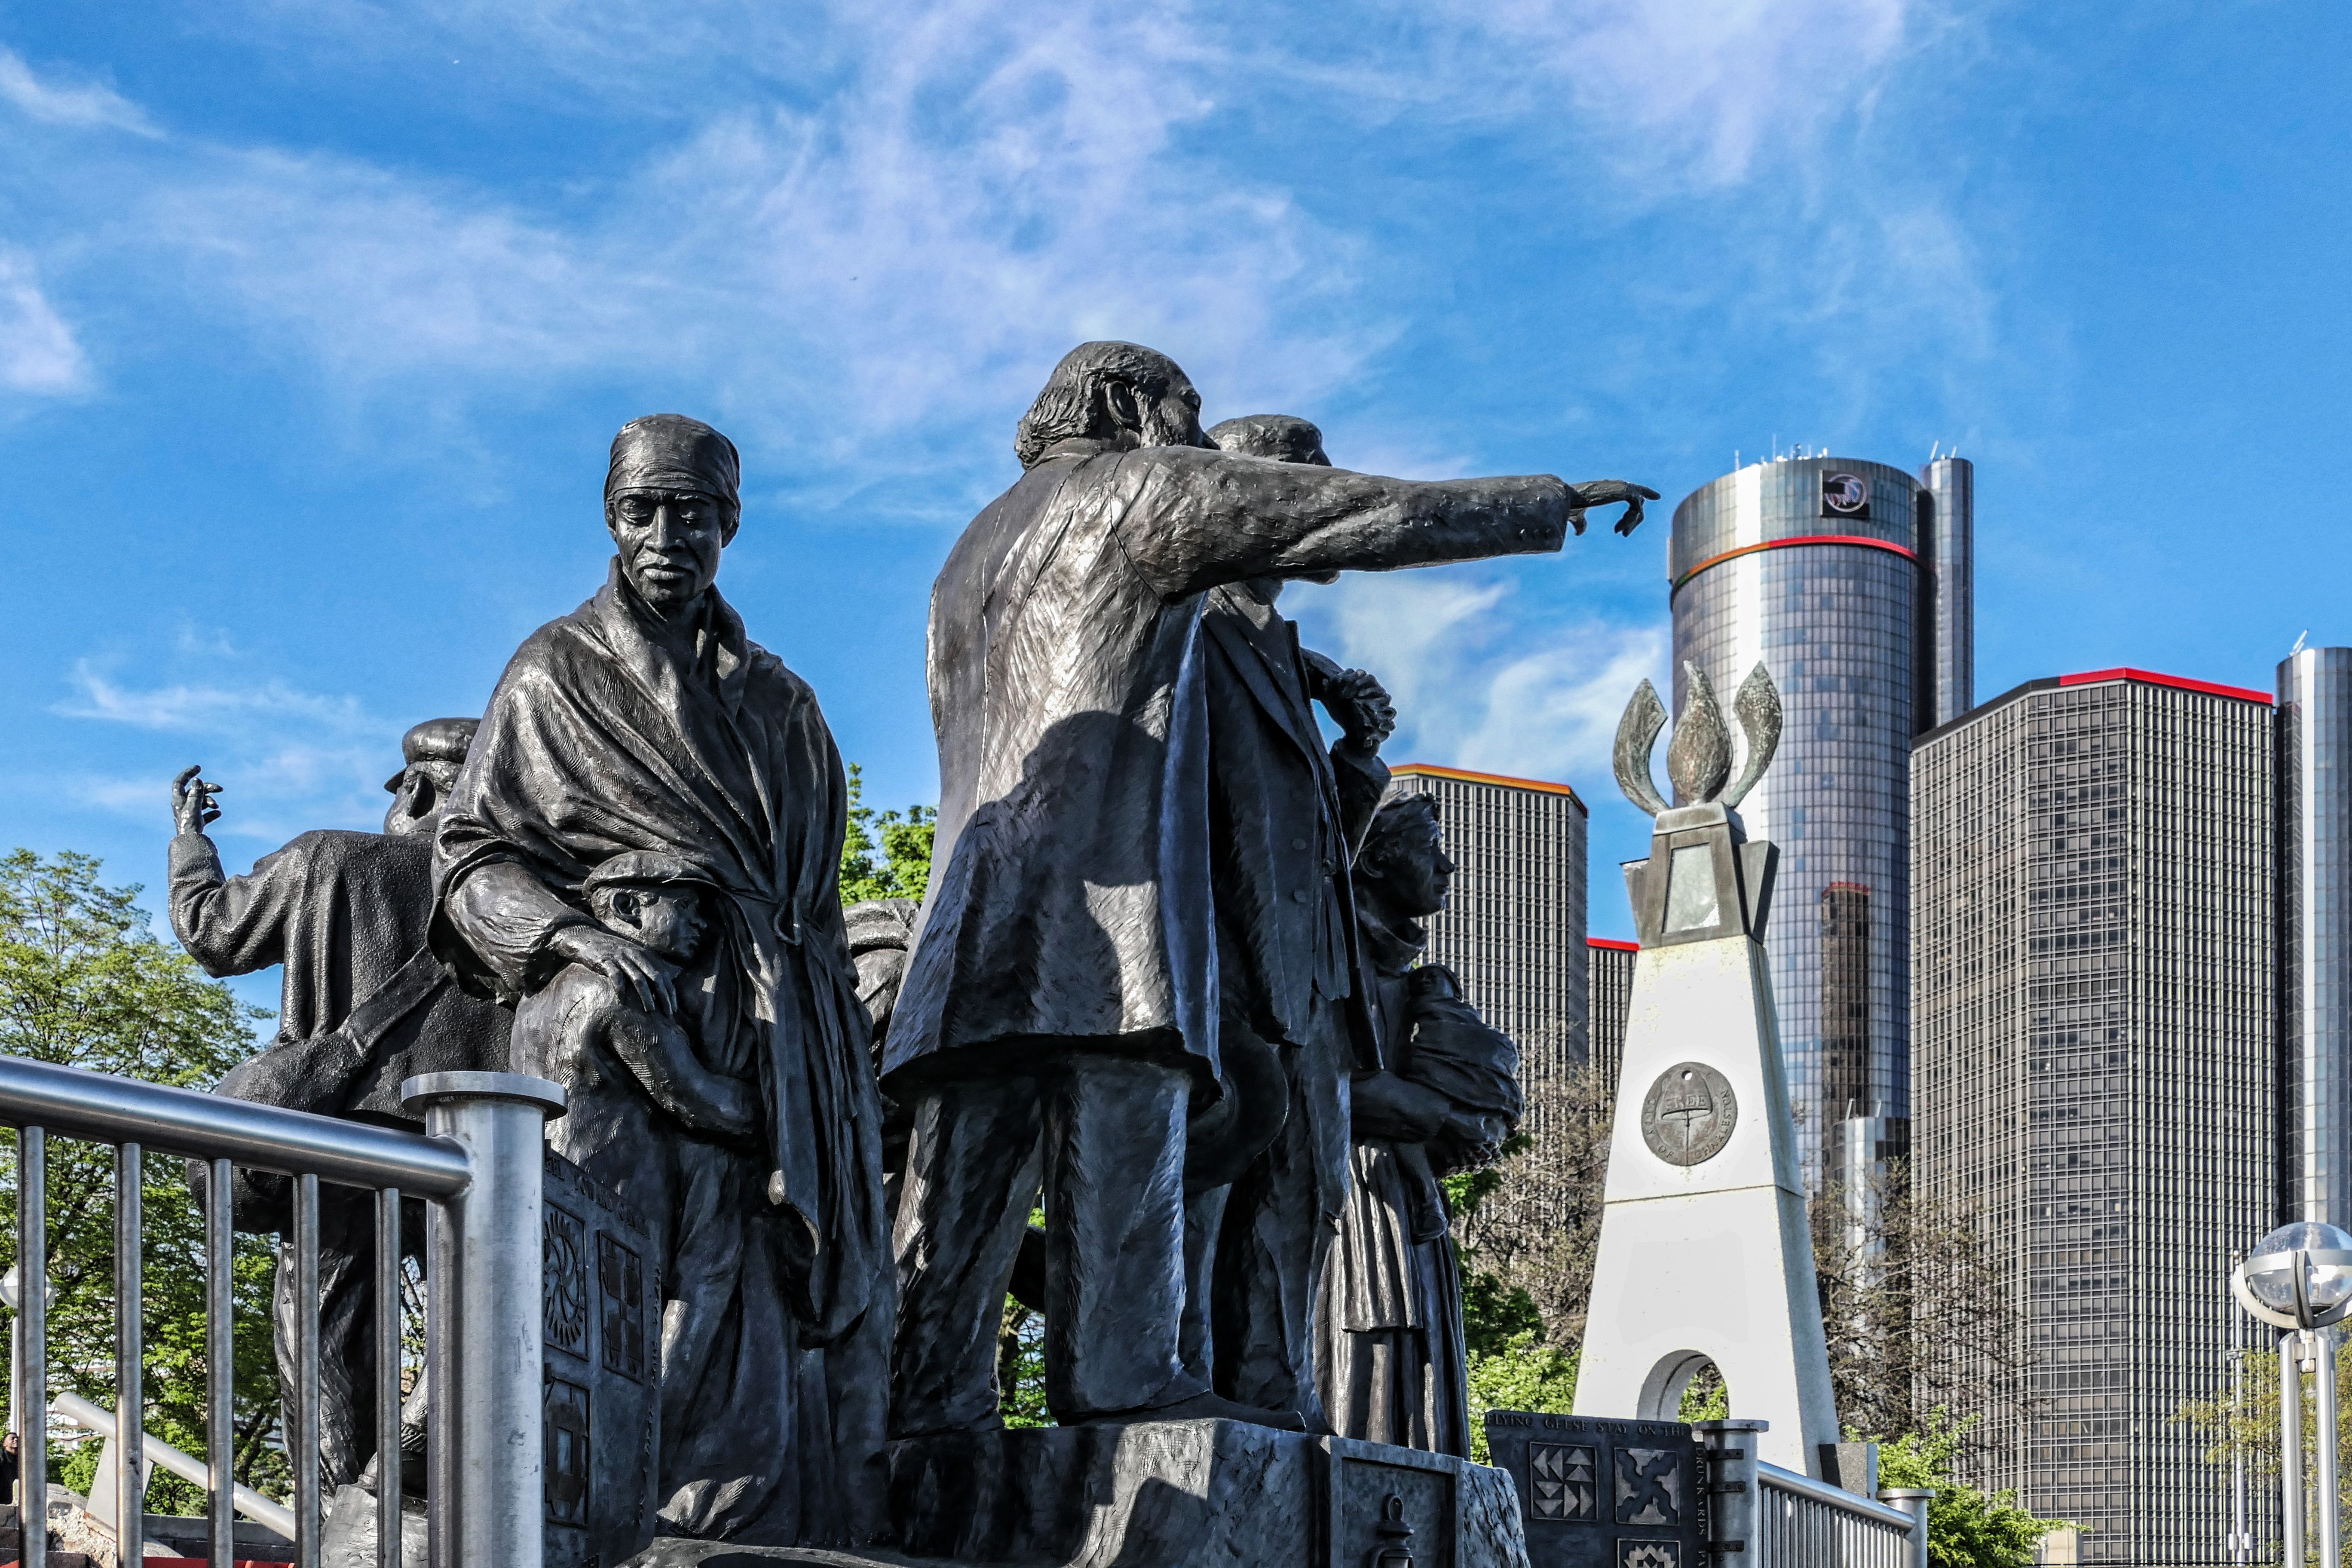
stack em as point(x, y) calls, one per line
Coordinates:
point(2093, 1068)
point(2315, 853)
point(1608, 988)
point(1851, 583)
point(1514, 929)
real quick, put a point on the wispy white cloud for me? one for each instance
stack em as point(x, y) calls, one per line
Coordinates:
point(1479, 682)
point(38, 352)
point(53, 101)
point(289, 759)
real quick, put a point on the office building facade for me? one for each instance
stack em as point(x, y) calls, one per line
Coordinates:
point(1609, 989)
point(2314, 869)
point(1851, 582)
point(1514, 926)
point(2095, 1068)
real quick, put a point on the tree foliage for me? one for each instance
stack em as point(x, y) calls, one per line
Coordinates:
point(1528, 1229)
point(1922, 1316)
point(2244, 1424)
point(887, 853)
point(83, 983)
point(1965, 1528)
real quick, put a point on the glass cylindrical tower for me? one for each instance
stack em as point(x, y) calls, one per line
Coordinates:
point(1814, 566)
point(2315, 891)
point(1948, 542)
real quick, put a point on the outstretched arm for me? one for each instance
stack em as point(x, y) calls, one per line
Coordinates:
point(1192, 519)
point(230, 925)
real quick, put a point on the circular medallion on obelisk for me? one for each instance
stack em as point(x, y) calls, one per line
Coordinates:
point(1688, 1114)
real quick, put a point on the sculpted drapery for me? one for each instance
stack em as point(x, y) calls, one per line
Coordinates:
point(619, 728)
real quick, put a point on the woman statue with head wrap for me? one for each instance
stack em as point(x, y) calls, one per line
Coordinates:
point(645, 722)
point(1388, 1345)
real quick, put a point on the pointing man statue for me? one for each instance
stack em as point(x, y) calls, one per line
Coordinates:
point(1060, 1007)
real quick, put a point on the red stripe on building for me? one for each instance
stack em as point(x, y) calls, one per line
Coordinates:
point(1613, 944)
point(2180, 682)
point(1888, 545)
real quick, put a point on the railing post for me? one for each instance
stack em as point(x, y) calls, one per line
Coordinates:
point(1728, 1447)
point(486, 1362)
point(1913, 1501)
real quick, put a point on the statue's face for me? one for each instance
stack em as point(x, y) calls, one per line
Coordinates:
point(669, 542)
point(417, 805)
point(1419, 873)
point(667, 920)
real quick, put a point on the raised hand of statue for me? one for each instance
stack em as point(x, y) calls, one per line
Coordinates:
point(1359, 705)
point(1605, 493)
point(646, 980)
point(191, 801)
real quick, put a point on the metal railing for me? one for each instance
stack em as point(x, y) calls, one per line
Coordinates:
point(477, 1167)
point(1773, 1517)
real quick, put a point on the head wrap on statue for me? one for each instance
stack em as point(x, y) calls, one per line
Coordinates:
point(671, 452)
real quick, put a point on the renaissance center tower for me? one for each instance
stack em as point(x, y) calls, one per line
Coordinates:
point(1851, 583)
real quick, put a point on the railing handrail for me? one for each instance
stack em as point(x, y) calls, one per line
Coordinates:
point(75, 1103)
point(271, 1516)
point(1777, 1479)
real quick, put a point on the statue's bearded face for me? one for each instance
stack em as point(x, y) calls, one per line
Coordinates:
point(669, 542)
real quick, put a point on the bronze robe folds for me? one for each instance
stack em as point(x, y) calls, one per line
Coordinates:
point(613, 732)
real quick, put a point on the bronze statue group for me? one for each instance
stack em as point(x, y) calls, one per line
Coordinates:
point(1165, 986)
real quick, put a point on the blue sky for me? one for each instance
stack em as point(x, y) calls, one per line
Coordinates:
point(316, 319)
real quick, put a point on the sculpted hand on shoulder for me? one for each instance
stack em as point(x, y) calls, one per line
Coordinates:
point(648, 982)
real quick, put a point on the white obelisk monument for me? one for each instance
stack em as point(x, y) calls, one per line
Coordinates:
point(1706, 1255)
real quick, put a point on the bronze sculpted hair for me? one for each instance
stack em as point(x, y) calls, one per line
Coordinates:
point(1069, 405)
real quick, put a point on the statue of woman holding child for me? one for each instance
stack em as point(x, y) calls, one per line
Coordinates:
point(642, 856)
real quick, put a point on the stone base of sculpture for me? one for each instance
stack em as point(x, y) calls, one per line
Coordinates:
point(1172, 1494)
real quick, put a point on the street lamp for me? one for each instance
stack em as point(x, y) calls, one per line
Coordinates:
point(2299, 1278)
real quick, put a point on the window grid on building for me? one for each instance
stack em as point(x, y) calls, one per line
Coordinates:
point(1513, 929)
point(2093, 1071)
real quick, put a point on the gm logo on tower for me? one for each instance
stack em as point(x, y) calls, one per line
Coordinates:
point(1845, 495)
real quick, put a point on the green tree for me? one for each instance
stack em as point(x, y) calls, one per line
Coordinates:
point(885, 854)
point(83, 983)
point(1965, 1528)
point(2245, 1425)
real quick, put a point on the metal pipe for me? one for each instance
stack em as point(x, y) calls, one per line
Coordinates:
point(387, 1378)
point(32, 1370)
point(220, 1357)
point(1913, 1501)
point(271, 1516)
point(1727, 1448)
point(2331, 1511)
point(302, 1451)
point(1772, 1478)
point(2291, 1446)
point(500, 1485)
point(108, 1109)
point(130, 1359)
point(443, 1328)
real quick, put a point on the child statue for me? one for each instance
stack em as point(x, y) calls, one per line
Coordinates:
point(1389, 1352)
